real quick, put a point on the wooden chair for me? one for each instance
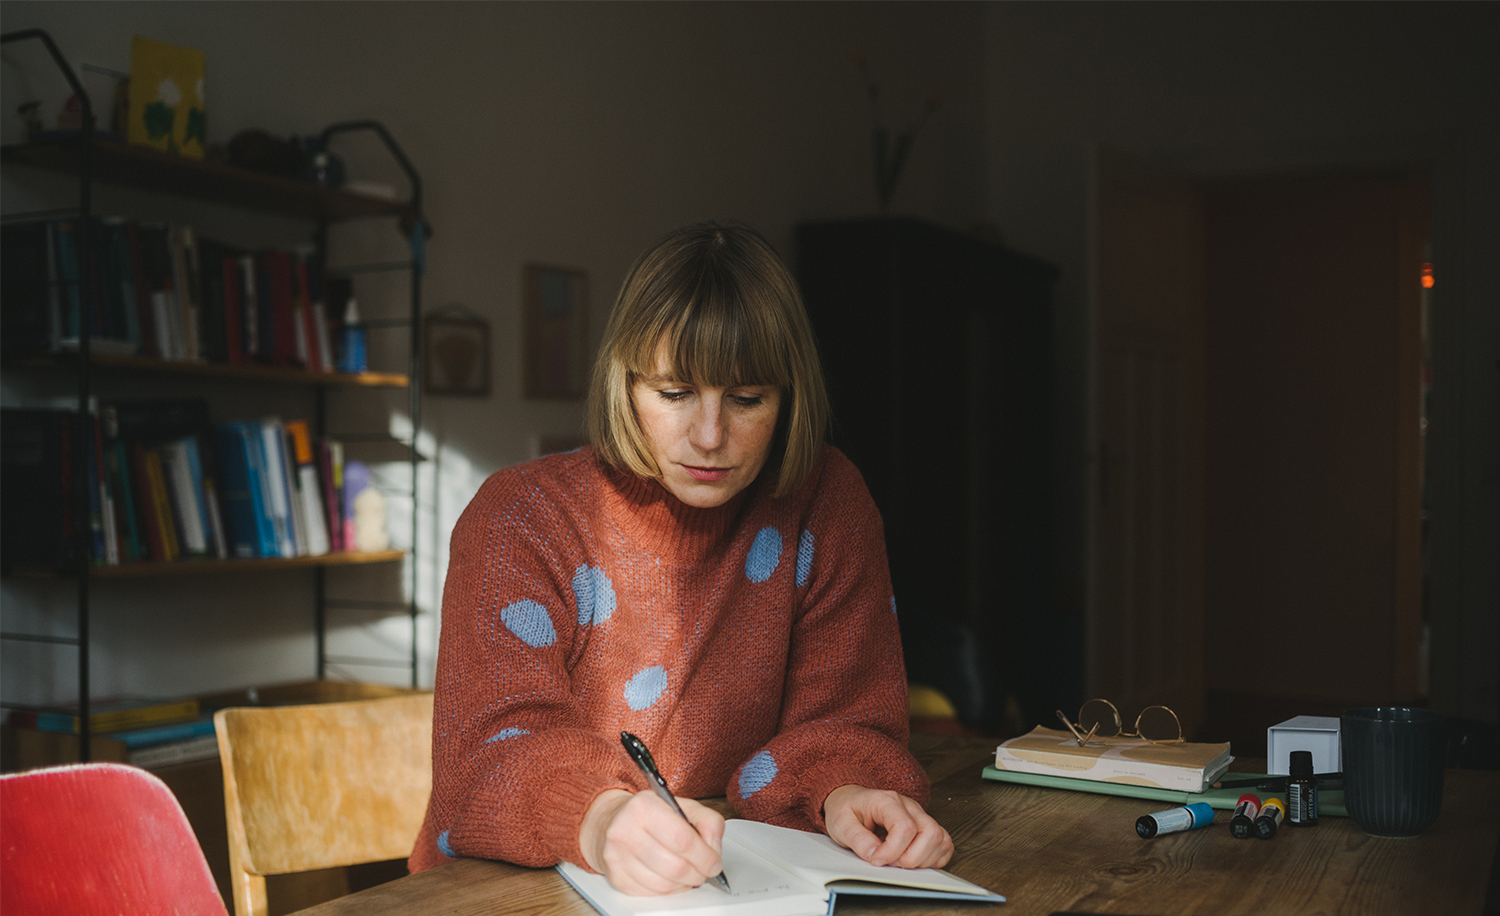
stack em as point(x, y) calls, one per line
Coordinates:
point(100, 838)
point(321, 786)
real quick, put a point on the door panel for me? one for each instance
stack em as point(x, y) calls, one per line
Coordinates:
point(1314, 503)
point(1145, 633)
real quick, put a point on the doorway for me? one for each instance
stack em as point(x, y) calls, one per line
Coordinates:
point(1256, 520)
point(1313, 446)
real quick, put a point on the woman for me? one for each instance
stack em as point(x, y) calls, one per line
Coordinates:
point(708, 576)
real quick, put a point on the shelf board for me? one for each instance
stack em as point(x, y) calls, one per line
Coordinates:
point(195, 565)
point(257, 373)
point(142, 167)
point(191, 567)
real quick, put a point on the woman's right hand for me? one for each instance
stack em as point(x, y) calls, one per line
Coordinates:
point(643, 847)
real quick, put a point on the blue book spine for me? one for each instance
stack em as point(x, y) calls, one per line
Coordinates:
point(260, 495)
point(161, 734)
point(240, 491)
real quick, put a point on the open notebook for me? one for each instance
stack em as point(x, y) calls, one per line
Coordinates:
point(777, 871)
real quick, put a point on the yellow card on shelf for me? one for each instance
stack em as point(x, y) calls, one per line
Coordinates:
point(166, 97)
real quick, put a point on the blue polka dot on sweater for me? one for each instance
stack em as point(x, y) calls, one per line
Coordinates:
point(504, 733)
point(594, 593)
point(530, 622)
point(646, 687)
point(443, 847)
point(804, 557)
point(757, 773)
point(765, 554)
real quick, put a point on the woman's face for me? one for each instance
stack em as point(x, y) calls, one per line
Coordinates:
point(710, 443)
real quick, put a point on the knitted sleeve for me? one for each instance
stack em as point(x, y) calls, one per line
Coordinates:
point(844, 710)
point(513, 770)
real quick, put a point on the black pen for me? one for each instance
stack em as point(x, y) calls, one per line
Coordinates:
point(636, 748)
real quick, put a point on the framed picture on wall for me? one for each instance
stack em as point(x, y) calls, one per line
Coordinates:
point(456, 352)
point(554, 332)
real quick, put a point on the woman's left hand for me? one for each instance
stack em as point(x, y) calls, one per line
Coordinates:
point(912, 839)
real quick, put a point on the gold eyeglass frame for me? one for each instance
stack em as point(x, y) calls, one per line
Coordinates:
point(1119, 730)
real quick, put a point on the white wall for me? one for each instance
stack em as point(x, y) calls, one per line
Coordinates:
point(565, 133)
point(1240, 88)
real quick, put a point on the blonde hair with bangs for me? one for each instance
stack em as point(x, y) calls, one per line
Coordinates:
point(730, 314)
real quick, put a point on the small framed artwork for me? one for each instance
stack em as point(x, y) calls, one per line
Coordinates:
point(456, 352)
point(554, 332)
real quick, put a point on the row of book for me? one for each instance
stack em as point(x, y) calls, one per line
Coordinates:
point(139, 731)
point(165, 483)
point(162, 290)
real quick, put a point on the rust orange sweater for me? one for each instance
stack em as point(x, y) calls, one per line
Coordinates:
point(753, 647)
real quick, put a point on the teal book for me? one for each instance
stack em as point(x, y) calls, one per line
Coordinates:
point(1330, 801)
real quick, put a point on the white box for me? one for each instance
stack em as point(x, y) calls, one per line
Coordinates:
point(1319, 734)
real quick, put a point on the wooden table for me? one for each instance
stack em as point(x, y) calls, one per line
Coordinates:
point(1051, 851)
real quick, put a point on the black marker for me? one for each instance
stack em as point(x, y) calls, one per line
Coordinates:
point(636, 748)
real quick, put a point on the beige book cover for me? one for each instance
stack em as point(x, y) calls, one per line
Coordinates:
point(1188, 766)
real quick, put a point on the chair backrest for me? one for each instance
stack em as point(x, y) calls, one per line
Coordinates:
point(321, 786)
point(99, 838)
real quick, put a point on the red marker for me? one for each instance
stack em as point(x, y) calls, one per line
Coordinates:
point(1242, 825)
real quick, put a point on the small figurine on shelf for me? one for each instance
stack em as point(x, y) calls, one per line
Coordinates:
point(354, 356)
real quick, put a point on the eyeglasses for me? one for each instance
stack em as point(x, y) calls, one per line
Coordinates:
point(1099, 717)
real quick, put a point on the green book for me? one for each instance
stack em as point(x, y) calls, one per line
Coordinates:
point(1330, 801)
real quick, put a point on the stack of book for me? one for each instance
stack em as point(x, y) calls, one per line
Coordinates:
point(165, 484)
point(1058, 758)
point(160, 290)
point(142, 732)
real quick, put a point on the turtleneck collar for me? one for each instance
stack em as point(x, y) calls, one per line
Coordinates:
point(658, 522)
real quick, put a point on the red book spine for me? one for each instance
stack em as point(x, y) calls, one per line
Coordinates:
point(234, 321)
point(309, 321)
point(283, 329)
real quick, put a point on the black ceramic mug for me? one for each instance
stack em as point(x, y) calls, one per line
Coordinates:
point(1393, 768)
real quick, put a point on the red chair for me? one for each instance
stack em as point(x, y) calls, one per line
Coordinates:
point(99, 838)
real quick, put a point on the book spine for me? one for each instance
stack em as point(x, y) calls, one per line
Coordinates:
point(54, 295)
point(276, 490)
point(234, 320)
point(301, 314)
point(119, 470)
point(186, 512)
point(150, 520)
point(250, 304)
point(310, 487)
point(296, 504)
point(66, 242)
point(117, 720)
point(257, 482)
point(157, 480)
point(107, 500)
point(1102, 769)
point(330, 496)
point(161, 734)
point(283, 321)
point(199, 491)
point(141, 283)
point(124, 280)
point(185, 277)
point(96, 495)
point(192, 749)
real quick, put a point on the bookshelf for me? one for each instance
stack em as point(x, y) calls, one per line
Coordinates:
point(92, 159)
